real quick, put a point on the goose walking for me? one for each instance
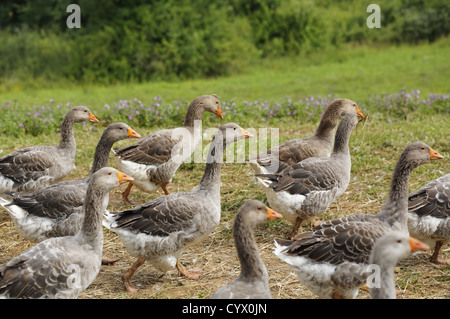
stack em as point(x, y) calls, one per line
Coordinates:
point(154, 159)
point(306, 189)
point(253, 281)
point(37, 166)
point(296, 150)
point(429, 214)
point(56, 210)
point(159, 230)
point(63, 267)
point(315, 255)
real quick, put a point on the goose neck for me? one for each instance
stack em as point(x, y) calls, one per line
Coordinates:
point(395, 209)
point(94, 206)
point(328, 123)
point(252, 266)
point(67, 136)
point(101, 156)
point(386, 287)
point(211, 177)
point(194, 113)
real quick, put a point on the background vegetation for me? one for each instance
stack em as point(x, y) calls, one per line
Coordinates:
point(137, 40)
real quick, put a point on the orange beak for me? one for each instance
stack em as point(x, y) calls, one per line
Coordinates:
point(435, 155)
point(92, 118)
point(417, 245)
point(359, 113)
point(272, 215)
point(246, 134)
point(133, 133)
point(123, 178)
point(219, 113)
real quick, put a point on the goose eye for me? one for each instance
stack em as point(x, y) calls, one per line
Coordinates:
point(399, 241)
point(217, 102)
point(109, 173)
point(423, 148)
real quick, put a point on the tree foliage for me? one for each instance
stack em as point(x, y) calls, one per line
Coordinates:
point(139, 40)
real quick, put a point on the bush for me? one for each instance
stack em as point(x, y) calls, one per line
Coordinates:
point(137, 40)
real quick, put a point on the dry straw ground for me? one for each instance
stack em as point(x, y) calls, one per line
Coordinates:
point(415, 276)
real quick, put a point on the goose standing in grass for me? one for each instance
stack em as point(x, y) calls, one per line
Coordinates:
point(429, 214)
point(253, 281)
point(306, 189)
point(56, 210)
point(62, 267)
point(296, 150)
point(154, 159)
point(314, 255)
point(37, 166)
point(159, 230)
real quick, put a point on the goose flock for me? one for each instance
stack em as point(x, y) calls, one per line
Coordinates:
point(300, 178)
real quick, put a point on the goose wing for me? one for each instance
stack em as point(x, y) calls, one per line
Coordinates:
point(313, 174)
point(162, 216)
point(55, 201)
point(154, 149)
point(27, 164)
point(432, 200)
point(336, 241)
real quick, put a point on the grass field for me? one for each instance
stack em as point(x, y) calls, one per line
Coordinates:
point(355, 73)
point(375, 146)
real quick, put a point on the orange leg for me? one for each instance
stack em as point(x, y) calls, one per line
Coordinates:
point(126, 276)
point(126, 193)
point(164, 188)
point(191, 273)
point(109, 261)
point(294, 232)
point(435, 257)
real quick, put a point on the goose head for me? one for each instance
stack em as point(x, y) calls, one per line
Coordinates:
point(210, 103)
point(395, 246)
point(231, 132)
point(255, 212)
point(419, 153)
point(348, 106)
point(108, 178)
point(82, 114)
point(120, 131)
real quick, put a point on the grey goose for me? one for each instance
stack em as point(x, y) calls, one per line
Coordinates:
point(296, 150)
point(56, 210)
point(159, 231)
point(253, 280)
point(37, 166)
point(154, 159)
point(306, 189)
point(63, 267)
point(315, 255)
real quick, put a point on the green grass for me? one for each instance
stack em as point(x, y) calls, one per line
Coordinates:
point(355, 73)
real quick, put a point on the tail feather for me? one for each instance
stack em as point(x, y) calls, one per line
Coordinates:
point(4, 202)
